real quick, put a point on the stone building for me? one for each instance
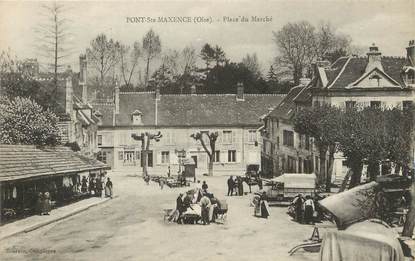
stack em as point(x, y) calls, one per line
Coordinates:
point(374, 80)
point(236, 117)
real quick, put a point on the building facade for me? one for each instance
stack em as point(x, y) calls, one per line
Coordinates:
point(374, 80)
point(236, 118)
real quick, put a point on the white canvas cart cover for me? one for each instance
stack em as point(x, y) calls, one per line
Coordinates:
point(351, 206)
point(362, 241)
point(295, 180)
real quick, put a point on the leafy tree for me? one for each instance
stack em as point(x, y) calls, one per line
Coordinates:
point(219, 55)
point(151, 49)
point(210, 138)
point(322, 123)
point(17, 85)
point(252, 64)
point(207, 54)
point(103, 54)
point(23, 121)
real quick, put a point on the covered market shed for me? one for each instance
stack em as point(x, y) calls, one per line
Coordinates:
point(26, 170)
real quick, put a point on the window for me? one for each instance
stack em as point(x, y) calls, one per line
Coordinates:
point(350, 104)
point(150, 159)
point(121, 155)
point(288, 138)
point(216, 156)
point(99, 140)
point(129, 156)
point(231, 155)
point(227, 137)
point(165, 157)
point(375, 104)
point(136, 117)
point(252, 136)
point(291, 162)
point(102, 156)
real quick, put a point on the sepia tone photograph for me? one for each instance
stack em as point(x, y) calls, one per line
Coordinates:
point(201, 130)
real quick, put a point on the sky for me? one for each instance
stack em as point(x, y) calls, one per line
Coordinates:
point(389, 24)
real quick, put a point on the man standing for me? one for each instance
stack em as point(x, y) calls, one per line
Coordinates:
point(205, 206)
point(108, 188)
point(204, 187)
point(231, 184)
point(179, 207)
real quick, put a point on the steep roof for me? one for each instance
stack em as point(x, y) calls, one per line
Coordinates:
point(26, 161)
point(347, 70)
point(190, 110)
point(287, 107)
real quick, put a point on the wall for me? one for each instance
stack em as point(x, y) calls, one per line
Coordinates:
point(118, 141)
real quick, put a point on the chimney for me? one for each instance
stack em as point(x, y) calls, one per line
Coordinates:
point(374, 59)
point(410, 52)
point(193, 90)
point(157, 94)
point(117, 97)
point(82, 77)
point(68, 96)
point(240, 92)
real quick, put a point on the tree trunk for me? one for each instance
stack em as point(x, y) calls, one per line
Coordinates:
point(330, 170)
point(210, 167)
point(409, 225)
point(373, 170)
point(357, 174)
point(147, 70)
point(322, 176)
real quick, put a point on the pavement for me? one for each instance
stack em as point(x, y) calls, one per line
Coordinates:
point(131, 227)
point(31, 223)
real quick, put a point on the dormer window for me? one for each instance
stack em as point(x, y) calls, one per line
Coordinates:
point(376, 78)
point(137, 117)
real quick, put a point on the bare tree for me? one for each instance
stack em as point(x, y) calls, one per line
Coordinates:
point(128, 61)
point(53, 37)
point(211, 138)
point(103, 55)
point(296, 42)
point(188, 59)
point(151, 49)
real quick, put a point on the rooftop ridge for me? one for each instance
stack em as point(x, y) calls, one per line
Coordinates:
point(207, 94)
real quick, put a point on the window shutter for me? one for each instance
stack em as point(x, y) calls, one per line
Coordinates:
point(246, 133)
point(173, 158)
point(219, 140)
point(224, 156)
point(234, 133)
point(238, 156)
point(158, 160)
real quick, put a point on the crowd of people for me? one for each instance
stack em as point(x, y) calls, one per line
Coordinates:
point(235, 186)
point(96, 186)
point(210, 207)
point(304, 209)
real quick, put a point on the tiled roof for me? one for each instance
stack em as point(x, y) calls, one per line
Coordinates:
point(287, 107)
point(26, 161)
point(190, 110)
point(214, 110)
point(131, 101)
point(346, 70)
